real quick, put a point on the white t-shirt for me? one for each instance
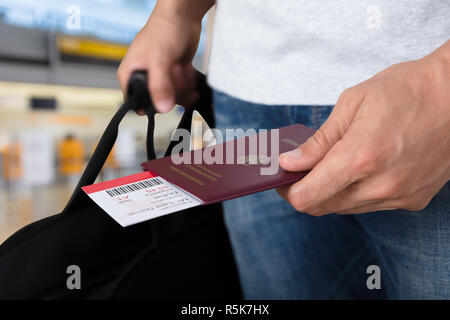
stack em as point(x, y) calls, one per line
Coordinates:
point(307, 52)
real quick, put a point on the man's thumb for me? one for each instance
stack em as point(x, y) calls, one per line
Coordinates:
point(316, 147)
point(306, 156)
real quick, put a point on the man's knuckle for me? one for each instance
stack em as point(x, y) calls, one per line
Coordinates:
point(346, 97)
point(320, 139)
point(394, 186)
point(390, 189)
point(296, 202)
point(365, 161)
point(380, 194)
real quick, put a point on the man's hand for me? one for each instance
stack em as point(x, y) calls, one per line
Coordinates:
point(385, 146)
point(165, 48)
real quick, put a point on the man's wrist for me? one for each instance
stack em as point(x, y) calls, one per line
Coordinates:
point(444, 52)
point(436, 74)
point(183, 10)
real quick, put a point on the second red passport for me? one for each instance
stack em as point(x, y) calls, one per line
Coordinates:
point(234, 168)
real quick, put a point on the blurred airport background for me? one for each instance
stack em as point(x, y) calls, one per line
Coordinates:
point(58, 90)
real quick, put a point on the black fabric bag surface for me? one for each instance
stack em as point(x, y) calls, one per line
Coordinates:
point(185, 255)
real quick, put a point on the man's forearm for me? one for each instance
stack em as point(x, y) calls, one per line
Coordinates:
point(184, 9)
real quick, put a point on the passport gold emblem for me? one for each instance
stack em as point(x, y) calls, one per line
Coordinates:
point(253, 159)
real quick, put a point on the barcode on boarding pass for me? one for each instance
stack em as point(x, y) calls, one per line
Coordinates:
point(134, 187)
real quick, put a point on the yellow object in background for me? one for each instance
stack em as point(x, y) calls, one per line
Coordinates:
point(71, 156)
point(12, 153)
point(90, 48)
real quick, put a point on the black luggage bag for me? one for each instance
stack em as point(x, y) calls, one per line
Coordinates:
point(185, 255)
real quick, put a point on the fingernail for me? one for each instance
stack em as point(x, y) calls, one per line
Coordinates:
point(164, 105)
point(293, 154)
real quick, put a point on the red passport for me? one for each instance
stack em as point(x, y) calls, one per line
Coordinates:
point(235, 168)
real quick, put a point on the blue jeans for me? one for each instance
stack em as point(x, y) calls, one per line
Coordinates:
point(284, 254)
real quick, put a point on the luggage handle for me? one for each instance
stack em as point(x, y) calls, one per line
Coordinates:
point(137, 98)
